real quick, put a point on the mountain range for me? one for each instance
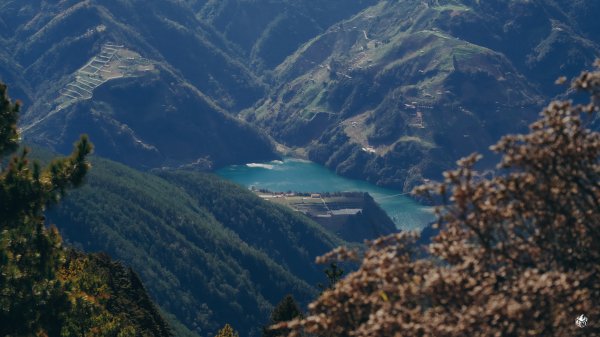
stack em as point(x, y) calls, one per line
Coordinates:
point(392, 92)
point(398, 92)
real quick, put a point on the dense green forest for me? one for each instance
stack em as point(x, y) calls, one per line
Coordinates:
point(289, 238)
point(206, 249)
point(47, 289)
point(120, 303)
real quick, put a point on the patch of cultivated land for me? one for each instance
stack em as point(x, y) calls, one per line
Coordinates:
point(318, 205)
point(114, 61)
point(354, 216)
point(357, 130)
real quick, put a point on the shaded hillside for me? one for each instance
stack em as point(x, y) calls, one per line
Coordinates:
point(197, 78)
point(53, 40)
point(154, 120)
point(269, 31)
point(397, 93)
point(203, 262)
point(544, 39)
point(10, 72)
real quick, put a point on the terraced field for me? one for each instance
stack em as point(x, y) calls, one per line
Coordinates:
point(114, 61)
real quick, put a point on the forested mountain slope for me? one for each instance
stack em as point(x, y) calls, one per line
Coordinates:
point(204, 260)
point(46, 288)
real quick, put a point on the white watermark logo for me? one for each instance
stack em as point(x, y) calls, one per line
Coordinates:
point(581, 321)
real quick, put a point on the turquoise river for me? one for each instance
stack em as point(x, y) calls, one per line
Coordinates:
point(305, 176)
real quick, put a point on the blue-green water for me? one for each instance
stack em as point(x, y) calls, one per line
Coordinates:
point(305, 176)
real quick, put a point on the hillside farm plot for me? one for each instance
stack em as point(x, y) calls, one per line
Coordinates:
point(354, 216)
point(319, 206)
point(113, 61)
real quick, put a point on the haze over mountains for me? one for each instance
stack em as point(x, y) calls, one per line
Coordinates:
point(392, 92)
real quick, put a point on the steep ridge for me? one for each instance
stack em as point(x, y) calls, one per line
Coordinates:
point(543, 39)
point(268, 31)
point(191, 74)
point(61, 37)
point(397, 93)
point(154, 120)
point(202, 260)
